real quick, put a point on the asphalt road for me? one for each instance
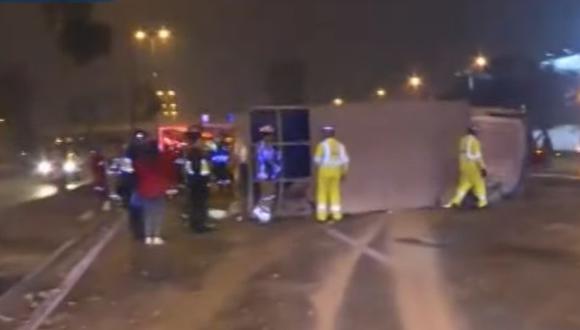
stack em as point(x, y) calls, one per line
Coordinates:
point(514, 266)
point(35, 219)
point(18, 188)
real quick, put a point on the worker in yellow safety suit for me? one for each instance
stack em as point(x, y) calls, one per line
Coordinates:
point(472, 171)
point(332, 163)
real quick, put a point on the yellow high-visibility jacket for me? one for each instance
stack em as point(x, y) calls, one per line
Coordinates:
point(470, 151)
point(330, 154)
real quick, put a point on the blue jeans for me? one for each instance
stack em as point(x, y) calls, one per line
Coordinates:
point(153, 214)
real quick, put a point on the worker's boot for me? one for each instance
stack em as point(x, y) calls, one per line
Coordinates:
point(321, 218)
point(450, 205)
point(336, 217)
point(321, 214)
point(482, 203)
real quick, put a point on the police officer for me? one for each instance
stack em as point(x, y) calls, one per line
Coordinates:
point(220, 161)
point(472, 170)
point(269, 169)
point(198, 174)
point(332, 163)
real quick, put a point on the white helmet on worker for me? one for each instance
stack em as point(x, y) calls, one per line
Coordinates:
point(472, 129)
point(328, 130)
point(267, 129)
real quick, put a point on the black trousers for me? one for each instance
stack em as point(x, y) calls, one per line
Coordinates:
point(136, 224)
point(199, 203)
point(242, 190)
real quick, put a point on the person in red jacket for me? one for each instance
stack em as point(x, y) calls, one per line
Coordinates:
point(155, 174)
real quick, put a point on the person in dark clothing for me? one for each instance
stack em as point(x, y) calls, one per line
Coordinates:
point(198, 174)
point(98, 166)
point(127, 184)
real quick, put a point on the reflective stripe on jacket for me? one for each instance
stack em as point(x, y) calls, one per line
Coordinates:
point(331, 153)
point(204, 169)
point(268, 162)
point(470, 150)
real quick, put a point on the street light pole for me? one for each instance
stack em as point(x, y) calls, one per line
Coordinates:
point(162, 34)
point(480, 63)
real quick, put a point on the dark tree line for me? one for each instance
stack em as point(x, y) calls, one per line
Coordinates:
point(79, 36)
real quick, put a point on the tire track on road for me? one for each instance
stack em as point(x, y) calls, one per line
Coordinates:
point(421, 293)
point(328, 300)
point(224, 283)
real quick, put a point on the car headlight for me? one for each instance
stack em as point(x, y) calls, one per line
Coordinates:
point(70, 166)
point(44, 168)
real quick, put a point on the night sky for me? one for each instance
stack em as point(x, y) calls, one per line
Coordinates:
point(222, 49)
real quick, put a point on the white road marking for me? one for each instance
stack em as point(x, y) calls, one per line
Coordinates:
point(71, 279)
point(8, 295)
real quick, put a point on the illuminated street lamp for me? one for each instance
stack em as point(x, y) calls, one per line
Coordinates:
point(2, 120)
point(338, 102)
point(480, 62)
point(415, 82)
point(164, 33)
point(168, 93)
point(381, 92)
point(140, 35)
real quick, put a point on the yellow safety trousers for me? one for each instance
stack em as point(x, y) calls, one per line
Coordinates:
point(328, 193)
point(470, 178)
point(470, 166)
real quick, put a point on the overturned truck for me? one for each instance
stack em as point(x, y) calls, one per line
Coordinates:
point(403, 154)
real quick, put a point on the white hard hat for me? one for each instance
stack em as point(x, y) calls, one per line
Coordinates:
point(267, 129)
